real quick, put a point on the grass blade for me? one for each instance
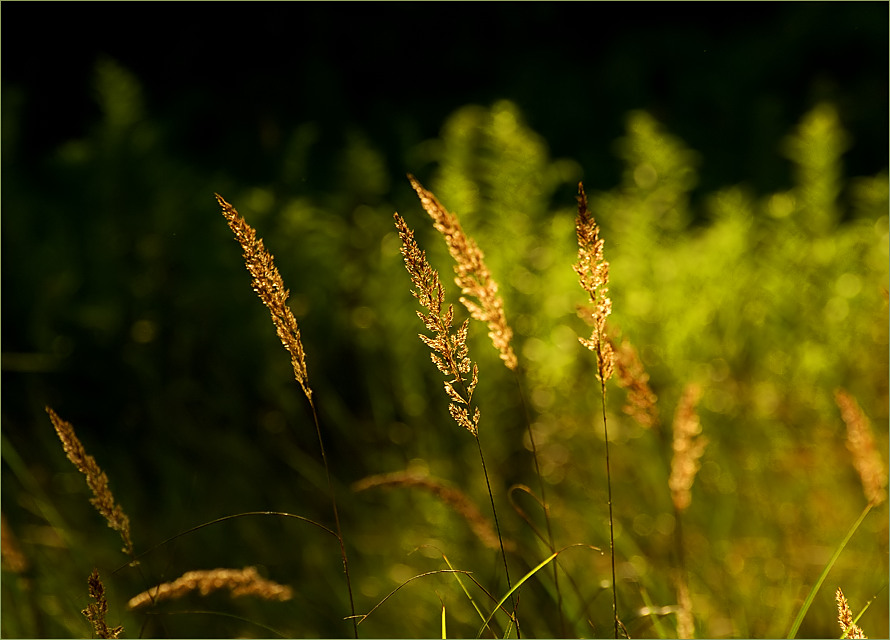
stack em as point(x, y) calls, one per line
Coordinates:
point(837, 552)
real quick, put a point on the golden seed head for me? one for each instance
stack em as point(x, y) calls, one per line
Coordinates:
point(861, 444)
point(96, 611)
point(239, 582)
point(449, 348)
point(97, 481)
point(480, 291)
point(845, 617)
point(269, 286)
point(593, 273)
point(688, 447)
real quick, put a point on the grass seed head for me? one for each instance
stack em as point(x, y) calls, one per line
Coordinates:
point(97, 481)
point(861, 444)
point(449, 348)
point(593, 274)
point(269, 286)
point(96, 611)
point(239, 582)
point(480, 291)
point(845, 617)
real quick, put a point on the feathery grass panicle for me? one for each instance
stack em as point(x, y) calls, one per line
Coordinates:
point(630, 375)
point(449, 349)
point(685, 621)
point(453, 498)
point(689, 446)
point(845, 617)
point(861, 445)
point(239, 582)
point(97, 481)
point(593, 272)
point(269, 287)
point(96, 611)
point(480, 291)
point(450, 355)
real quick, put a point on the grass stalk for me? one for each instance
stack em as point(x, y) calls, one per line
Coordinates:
point(450, 354)
point(593, 273)
point(269, 286)
point(611, 517)
point(480, 296)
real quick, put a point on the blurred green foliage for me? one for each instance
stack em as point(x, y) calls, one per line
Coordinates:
point(128, 310)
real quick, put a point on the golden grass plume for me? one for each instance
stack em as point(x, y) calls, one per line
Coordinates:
point(861, 444)
point(685, 621)
point(239, 582)
point(453, 498)
point(593, 273)
point(97, 481)
point(845, 617)
point(688, 447)
point(480, 291)
point(631, 375)
point(96, 611)
point(270, 288)
point(449, 349)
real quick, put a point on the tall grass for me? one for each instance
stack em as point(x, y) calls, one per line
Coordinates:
point(687, 553)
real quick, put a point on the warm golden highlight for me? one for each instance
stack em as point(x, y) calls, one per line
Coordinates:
point(239, 582)
point(454, 498)
point(270, 288)
point(449, 349)
point(630, 374)
point(689, 446)
point(593, 272)
point(480, 291)
point(97, 481)
point(861, 444)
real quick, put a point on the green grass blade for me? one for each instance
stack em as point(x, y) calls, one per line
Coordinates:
point(514, 588)
point(464, 588)
point(812, 594)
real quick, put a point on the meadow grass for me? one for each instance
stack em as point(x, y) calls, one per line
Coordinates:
point(642, 505)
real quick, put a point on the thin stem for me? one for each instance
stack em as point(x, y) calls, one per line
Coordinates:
point(327, 471)
point(498, 528)
point(611, 519)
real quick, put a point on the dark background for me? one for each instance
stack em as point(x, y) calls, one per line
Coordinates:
point(728, 78)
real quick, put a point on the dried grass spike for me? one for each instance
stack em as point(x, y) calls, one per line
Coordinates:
point(97, 481)
point(239, 582)
point(641, 401)
point(96, 611)
point(845, 617)
point(480, 291)
point(593, 273)
point(861, 445)
point(450, 353)
point(270, 288)
point(453, 498)
point(689, 446)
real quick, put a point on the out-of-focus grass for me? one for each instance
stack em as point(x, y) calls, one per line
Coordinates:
point(131, 314)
